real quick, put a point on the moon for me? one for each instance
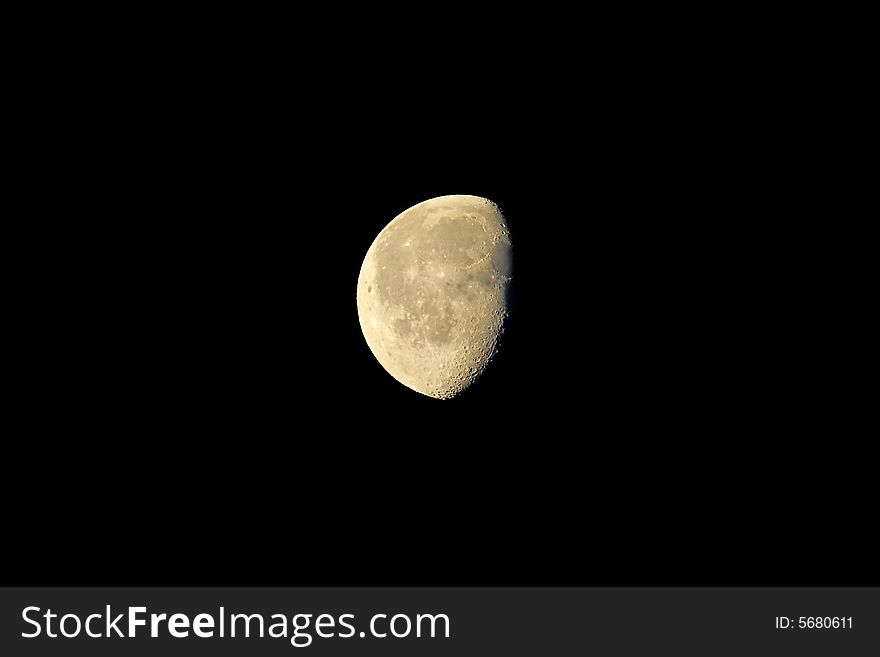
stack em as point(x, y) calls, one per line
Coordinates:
point(432, 293)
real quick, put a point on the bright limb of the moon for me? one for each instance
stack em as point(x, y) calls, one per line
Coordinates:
point(432, 293)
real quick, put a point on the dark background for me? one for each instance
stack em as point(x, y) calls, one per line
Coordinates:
point(515, 620)
point(198, 405)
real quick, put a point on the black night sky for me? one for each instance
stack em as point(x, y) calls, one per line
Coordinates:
point(200, 347)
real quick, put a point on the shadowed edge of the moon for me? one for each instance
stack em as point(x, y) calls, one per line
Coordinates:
point(491, 380)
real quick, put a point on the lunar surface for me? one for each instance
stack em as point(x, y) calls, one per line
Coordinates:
point(432, 293)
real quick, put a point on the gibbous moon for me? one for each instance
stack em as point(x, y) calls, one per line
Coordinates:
point(432, 293)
